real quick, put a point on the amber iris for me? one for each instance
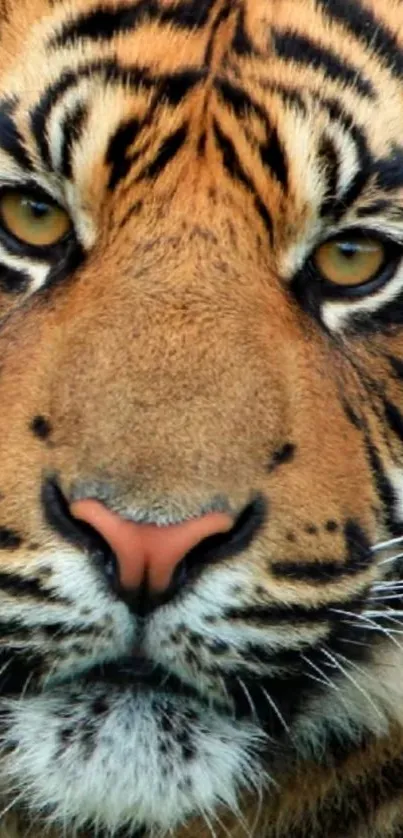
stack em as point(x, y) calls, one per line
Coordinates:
point(350, 261)
point(33, 221)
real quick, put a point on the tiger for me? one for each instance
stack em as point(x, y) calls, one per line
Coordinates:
point(201, 414)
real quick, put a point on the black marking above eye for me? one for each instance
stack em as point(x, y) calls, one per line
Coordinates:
point(73, 125)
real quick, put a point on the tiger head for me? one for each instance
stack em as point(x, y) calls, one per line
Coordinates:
point(201, 378)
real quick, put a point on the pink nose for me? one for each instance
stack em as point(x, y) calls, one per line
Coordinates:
point(147, 550)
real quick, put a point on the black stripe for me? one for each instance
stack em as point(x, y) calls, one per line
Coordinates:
point(13, 281)
point(72, 128)
point(274, 613)
point(291, 96)
point(393, 417)
point(133, 210)
point(116, 155)
point(11, 140)
point(384, 488)
point(103, 24)
point(234, 168)
point(168, 149)
point(12, 583)
point(304, 51)
point(222, 16)
point(379, 207)
point(271, 152)
point(381, 320)
point(360, 22)
point(397, 365)
point(358, 558)
point(171, 88)
point(389, 170)
point(330, 163)
point(241, 42)
point(20, 632)
point(273, 157)
point(343, 202)
point(9, 539)
point(351, 414)
point(174, 87)
point(315, 571)
point(358, 547)
point(239, 100)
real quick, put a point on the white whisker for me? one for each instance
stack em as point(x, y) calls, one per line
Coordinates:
point(389, 615)
point(275, 709)
point(385, 598)
point(352, 680)
point(13, 803)
point(369, 624)
point(391, 559)
point(248, 698)
point(386, 545)
point(388, 585)
point(209, 825)
point(324, 678)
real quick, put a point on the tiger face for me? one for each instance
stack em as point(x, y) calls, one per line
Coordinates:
point(201, 228)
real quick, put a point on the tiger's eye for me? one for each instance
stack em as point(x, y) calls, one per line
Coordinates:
point(33, 221)
point(350, 261)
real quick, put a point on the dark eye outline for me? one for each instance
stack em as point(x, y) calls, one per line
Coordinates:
point(17, 246)
point(331, 290)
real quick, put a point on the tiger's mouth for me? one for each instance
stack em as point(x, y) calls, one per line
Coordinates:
point(134, 669)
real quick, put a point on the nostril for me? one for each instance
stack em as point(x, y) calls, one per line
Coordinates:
point(210, 550)
point(147, 551)
point(223, 545)
point(79, 533)
point(144, 597)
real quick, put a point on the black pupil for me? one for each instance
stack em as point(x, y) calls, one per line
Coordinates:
point(349, 249)
point(37, 208)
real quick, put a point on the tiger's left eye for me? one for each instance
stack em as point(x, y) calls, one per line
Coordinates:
point(350, 261)
point(33, 221)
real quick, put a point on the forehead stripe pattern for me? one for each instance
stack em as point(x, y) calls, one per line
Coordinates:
point(360, 22)
point(170, 88)
point(104, 24)
point(303, 50)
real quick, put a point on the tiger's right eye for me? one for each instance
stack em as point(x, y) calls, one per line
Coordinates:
point(33, 221)
point(350, 260)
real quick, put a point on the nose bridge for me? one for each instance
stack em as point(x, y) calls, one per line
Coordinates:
point(170, 378)
point(187, 330)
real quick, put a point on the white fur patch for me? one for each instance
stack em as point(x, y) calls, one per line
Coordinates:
point(150, 759)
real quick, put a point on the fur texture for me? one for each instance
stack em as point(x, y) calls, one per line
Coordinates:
point(179, 352)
